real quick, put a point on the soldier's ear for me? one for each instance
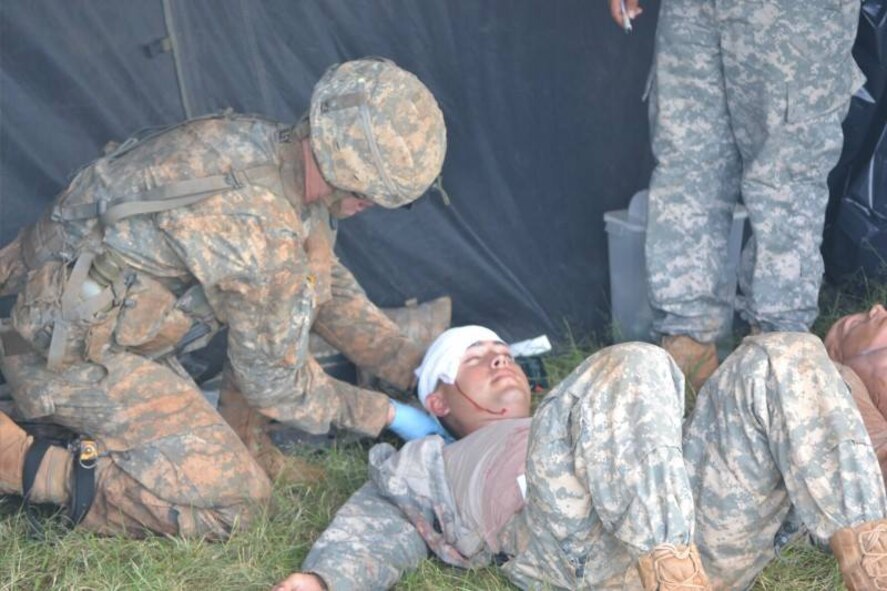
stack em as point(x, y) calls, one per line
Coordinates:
point(436, 403)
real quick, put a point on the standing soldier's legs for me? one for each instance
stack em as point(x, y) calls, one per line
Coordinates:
point(168, 462)
point(776, 426)
point(607, 487)
point(695, 185)
point(789, 76)
point(694, 188)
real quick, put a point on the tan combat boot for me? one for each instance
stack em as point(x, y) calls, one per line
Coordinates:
point(697, 360)
point(53, 477)
point(673, 568)
point(421, 323)
point(252, 428)
point(862, 555)
point(14, 442)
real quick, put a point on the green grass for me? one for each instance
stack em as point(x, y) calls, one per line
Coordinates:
point(273, 547)
point(268, 551)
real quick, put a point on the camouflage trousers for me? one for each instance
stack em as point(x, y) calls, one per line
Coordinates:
point(776, 428)
point(610, 475)
point(747, 100)
point(169, 463)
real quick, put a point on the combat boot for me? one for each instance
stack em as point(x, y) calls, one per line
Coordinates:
point(252, 428)
point(421, 323)
point(697, 360)
point(862, 555)
point(53, 476)
point(673, 568)
point(14, 443)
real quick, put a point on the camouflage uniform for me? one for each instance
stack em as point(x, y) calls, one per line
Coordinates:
point(609, 477)
point(349, 322)
point(237, 258)
point(747, 99)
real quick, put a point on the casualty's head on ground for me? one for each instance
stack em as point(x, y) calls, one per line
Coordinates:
point(860, 342)
point(468, 379)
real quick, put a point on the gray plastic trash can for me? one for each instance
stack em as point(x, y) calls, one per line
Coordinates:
point(629, 296)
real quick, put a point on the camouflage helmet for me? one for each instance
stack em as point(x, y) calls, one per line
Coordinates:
point(376, 130)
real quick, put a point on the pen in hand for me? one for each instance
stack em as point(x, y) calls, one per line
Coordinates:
point(626, 21)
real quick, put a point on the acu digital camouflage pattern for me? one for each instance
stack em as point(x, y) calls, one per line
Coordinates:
point(237, 258)
point(747, 99)
point(609, 476)
point(776, 428)
point(377, 130)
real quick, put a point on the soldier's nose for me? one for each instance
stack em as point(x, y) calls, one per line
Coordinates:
point(500, 360)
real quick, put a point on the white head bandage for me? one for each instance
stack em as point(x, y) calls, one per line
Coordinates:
point(441, 361)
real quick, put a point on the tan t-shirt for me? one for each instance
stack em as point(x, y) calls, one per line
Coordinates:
point(872, 415)
point(486, 474)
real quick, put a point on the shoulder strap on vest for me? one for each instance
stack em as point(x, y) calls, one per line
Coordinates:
point(164, 197)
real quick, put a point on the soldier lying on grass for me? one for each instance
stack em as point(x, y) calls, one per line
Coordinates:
point(600, 490)
point(859, 342)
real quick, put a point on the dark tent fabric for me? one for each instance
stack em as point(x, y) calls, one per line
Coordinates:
point(856, 228)
point(546, 126)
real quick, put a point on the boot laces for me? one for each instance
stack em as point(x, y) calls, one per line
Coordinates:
point(874, 555)
point(687, 582)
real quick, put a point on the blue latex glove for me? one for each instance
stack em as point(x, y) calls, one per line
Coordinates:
point(411, 423)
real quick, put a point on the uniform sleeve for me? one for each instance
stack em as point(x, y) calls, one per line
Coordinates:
point(351, 323)
point(249, 258)
point(317, 400)
point(244, 247)
point(13, 271)
point(369, 545)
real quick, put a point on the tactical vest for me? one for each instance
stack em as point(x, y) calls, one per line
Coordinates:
point(81, 299)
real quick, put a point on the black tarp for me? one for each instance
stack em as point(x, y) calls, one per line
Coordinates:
point(542, 100)
point(856, 229)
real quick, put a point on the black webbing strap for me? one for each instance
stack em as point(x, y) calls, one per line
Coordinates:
point(83, 485)
point(33, 458)
point(82, 480)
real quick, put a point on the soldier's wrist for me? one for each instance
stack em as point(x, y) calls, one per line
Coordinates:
point(391, 414)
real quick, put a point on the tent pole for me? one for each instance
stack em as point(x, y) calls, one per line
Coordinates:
point(174, 45)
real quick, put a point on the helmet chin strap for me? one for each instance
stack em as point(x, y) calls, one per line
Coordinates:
point(500, 412)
